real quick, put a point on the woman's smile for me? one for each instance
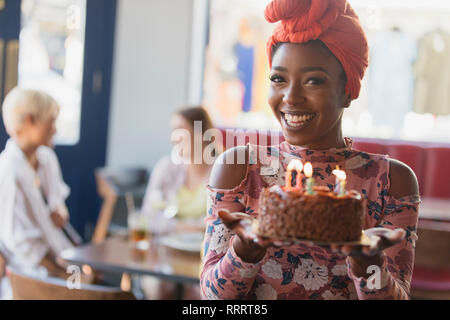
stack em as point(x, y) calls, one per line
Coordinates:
point(296, 120)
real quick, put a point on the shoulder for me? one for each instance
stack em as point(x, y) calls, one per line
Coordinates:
point(164, 162)
point(163, 172)
point(230, 168)
point(403, 181)
point(9, 173)
point(46, 154)
point(8, 169)
point(166, 165)
point(46, 151)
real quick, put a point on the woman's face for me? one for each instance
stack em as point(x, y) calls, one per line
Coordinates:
point(307, 94)
point(41, 131)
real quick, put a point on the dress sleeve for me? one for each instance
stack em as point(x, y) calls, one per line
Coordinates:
point(397, 267)
point(224, 275)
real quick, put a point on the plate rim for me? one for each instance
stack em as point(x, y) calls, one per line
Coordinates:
point(363, 241)
point(169, 241)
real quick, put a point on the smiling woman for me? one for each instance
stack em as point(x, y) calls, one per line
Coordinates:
point(307, 94)
point(318, 56)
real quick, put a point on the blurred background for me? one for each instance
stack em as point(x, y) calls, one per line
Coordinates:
point(119, 69)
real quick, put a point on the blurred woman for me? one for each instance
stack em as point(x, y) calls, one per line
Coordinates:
point(175, 199)
point(32, 192)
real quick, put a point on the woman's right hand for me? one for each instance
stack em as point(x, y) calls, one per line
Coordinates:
point(247, 245)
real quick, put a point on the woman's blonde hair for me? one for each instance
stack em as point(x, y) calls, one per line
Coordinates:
point(20, 103)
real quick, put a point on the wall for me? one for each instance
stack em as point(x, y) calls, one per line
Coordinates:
point(152, 62)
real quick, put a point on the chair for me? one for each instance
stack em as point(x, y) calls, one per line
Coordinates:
point(437, 173)
point(370, 146)
point(412, 155)
point(112, 184)
point(431, 274)
point(27, 287)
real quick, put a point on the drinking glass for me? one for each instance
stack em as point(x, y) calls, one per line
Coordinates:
point(138, 229)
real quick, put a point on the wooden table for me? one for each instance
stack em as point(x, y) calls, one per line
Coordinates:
point(118, 255)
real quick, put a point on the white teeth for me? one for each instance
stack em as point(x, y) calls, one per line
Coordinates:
point(297, 120)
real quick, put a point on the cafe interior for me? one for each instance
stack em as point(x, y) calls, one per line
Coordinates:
point(143, 69)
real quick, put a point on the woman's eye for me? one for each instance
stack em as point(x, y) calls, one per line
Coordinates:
point(315, 81)
point(276, 79)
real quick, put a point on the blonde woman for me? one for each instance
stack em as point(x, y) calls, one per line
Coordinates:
point(32, 192)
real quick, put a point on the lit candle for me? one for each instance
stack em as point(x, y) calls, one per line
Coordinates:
point(340, 181)
point(296, 165)
point(308, 170)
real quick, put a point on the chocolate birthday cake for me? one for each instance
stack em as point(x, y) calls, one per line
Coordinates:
point(321, 216)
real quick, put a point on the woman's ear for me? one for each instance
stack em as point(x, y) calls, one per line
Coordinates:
point(347, 100)
point(29, 119)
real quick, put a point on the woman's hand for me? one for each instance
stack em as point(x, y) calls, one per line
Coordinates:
point(382, 238)
point(247, 245)
point(361, 257)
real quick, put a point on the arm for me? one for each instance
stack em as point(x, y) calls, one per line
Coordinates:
point(225, 275)
point(395, 262)
point(50, 263)
point(2, 265)
point(155, 198)
point(155, 186)
point(27, 239)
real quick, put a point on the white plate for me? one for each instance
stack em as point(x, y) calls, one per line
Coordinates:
point(184, 241)
point(364, 241)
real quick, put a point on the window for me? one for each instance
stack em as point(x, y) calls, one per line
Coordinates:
point(406, 89)
point(51, 57)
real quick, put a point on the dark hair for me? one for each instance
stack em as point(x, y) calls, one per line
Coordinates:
point(197, 113)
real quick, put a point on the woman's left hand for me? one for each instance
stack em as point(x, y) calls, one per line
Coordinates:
point(382, 238)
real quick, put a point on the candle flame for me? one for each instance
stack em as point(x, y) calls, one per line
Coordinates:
point(308, 170)
point(295, 164)
point(340, 174)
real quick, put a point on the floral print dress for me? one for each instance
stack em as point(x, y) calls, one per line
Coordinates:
point(307, 271)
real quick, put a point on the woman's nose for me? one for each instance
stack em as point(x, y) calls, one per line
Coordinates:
point(294, 95)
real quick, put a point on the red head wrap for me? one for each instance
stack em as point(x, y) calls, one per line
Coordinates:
point(331, 21)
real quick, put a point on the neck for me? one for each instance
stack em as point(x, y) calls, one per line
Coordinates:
point(199, 167)
point(339, 142)
point(28, 149)
point(333, 139)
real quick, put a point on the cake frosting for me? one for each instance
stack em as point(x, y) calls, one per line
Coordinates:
point(322, 216)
